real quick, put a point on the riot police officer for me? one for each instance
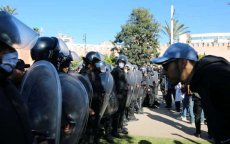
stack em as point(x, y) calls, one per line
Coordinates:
point(14, 122)
point(90, 70)
point(156, 84)
point(121, 87)
point(74, 96)
point(132, 77)
point(149, 100)
point(143, 90)
point(138, 105)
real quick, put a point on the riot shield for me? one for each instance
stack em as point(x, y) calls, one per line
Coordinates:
point(112, 106)
point(41, 91)
point(107, 84)
point(85, 81)
point(16, 34)
point(75, 105)
point(150, 81)
point(144, 88)
point(137, 84)
point(139, 79)
point(130, 76)
point(142, 94)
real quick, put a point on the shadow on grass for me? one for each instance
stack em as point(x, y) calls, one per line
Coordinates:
point(185, 138)
point(191, 139)
point(125, 139)
point(144, 142)
point(177, 142)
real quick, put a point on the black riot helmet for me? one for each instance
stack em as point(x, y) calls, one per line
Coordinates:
point(149, 69)
point(15, 34)
point(62, 58)
point(129, 66)
point(65, 61)
point(92, 57)
point(44, 48)
point(135, 67)
point(53, 50)
point(122, 58)
point(143, 69)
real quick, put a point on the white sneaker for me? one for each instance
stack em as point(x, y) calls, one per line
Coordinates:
point(183, 119)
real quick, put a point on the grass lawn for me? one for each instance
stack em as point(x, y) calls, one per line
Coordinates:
point(151, 140)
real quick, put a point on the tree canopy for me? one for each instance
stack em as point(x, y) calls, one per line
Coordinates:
point(139, 37)
point(110, 59)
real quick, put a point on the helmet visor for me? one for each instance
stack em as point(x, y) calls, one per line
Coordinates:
point(16, 34)
point(101, 66)
point(63, 48)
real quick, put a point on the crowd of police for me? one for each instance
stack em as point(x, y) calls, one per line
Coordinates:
point(51, 103)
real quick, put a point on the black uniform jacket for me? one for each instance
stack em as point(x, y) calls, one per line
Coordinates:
point(14, 122)
point(211, 80)
point(121, 85)
point(98, 90)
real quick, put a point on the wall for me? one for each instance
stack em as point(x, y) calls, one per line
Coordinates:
point(217, 49)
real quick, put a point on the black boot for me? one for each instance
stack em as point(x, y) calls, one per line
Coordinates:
point(124, 131)
point(109, 138)
point(116, 135)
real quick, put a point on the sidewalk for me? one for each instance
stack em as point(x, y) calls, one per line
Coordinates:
point(164, 123)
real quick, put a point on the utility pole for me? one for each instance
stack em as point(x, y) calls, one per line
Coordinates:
point(84, 39)
point(172, 20)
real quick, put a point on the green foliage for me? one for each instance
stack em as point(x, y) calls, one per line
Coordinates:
point(178, 29)
point(75, 64)
point(126, 139)
point(200, 56)
point(37, 30)
point(139, 37)
point(9, 9)
point(110, 59)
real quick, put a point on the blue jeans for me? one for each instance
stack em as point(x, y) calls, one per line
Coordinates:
point(185, 106)
point(202, 118)
point(188, 108)
point(191, 104)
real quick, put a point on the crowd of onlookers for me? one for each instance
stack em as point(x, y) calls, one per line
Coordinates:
point(187, 104)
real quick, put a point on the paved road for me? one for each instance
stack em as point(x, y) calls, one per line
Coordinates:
point(164, 123)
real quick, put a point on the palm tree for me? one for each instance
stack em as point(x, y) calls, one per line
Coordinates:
point(178, 29)
point(9, 9)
